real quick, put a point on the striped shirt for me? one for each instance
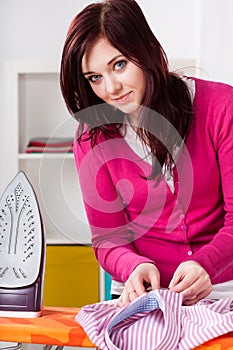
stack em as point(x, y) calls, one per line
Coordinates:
point(156, 320)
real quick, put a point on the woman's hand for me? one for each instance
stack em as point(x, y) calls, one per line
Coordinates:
point(192, 281)
point(144, 275)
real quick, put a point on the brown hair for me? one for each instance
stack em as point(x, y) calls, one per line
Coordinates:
point(124, 25)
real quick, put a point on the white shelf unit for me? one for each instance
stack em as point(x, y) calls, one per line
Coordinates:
point(35, 108)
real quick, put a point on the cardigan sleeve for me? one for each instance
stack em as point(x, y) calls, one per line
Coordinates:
point(105, 213)
point(217, 256)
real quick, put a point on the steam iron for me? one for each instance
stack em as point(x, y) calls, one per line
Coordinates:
point(22, 250)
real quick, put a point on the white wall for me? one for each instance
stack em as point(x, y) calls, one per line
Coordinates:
point(195, 29)
point(216, 44)
point(174, 24)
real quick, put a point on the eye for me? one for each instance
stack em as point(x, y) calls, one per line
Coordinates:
point(94, 78)
point(120, 64)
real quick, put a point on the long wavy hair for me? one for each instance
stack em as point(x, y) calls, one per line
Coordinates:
point(123, 24)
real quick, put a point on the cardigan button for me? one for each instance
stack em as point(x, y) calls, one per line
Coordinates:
point(190, 253)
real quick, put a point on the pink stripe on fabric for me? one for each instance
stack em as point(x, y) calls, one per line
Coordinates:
point(171, 326)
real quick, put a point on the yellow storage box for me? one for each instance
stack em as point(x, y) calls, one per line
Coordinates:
point(71, 276)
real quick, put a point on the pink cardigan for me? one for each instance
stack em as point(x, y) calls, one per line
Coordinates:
point(134, 221)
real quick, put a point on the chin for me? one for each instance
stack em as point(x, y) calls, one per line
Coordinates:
point(129, 108)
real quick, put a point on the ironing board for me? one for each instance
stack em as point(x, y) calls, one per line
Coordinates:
point(57, 326)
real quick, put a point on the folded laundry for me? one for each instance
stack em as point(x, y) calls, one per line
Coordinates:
point(156, 321)
point(50, 145)
point(51, 141)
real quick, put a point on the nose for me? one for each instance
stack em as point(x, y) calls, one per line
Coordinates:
point(112, 85)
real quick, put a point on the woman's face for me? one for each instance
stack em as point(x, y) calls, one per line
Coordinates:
point(113, 78)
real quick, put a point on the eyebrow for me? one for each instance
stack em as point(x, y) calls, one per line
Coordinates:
point(112, 60)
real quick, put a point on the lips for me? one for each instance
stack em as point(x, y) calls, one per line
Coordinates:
point(122, 98)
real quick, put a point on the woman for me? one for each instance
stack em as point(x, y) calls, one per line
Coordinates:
point(154, 152)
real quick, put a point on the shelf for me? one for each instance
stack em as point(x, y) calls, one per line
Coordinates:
point(34, 67)
point(39, 156)
point(65, 242)
point(36, 108)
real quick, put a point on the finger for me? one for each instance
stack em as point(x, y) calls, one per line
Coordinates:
point(175, 279)
point(194, 300)
point(135, 289)
point(152, 281)
point(133, 295)
point(179, 285)
point(134, 285)
point(123, 300)
point(139, 288)
point(127, 297)
point(129, 293)
point(121, 303)
point(191, 291)
point(196, 292)
point(155, 282)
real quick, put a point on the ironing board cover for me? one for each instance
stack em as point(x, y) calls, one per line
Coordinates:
point(57, 326)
